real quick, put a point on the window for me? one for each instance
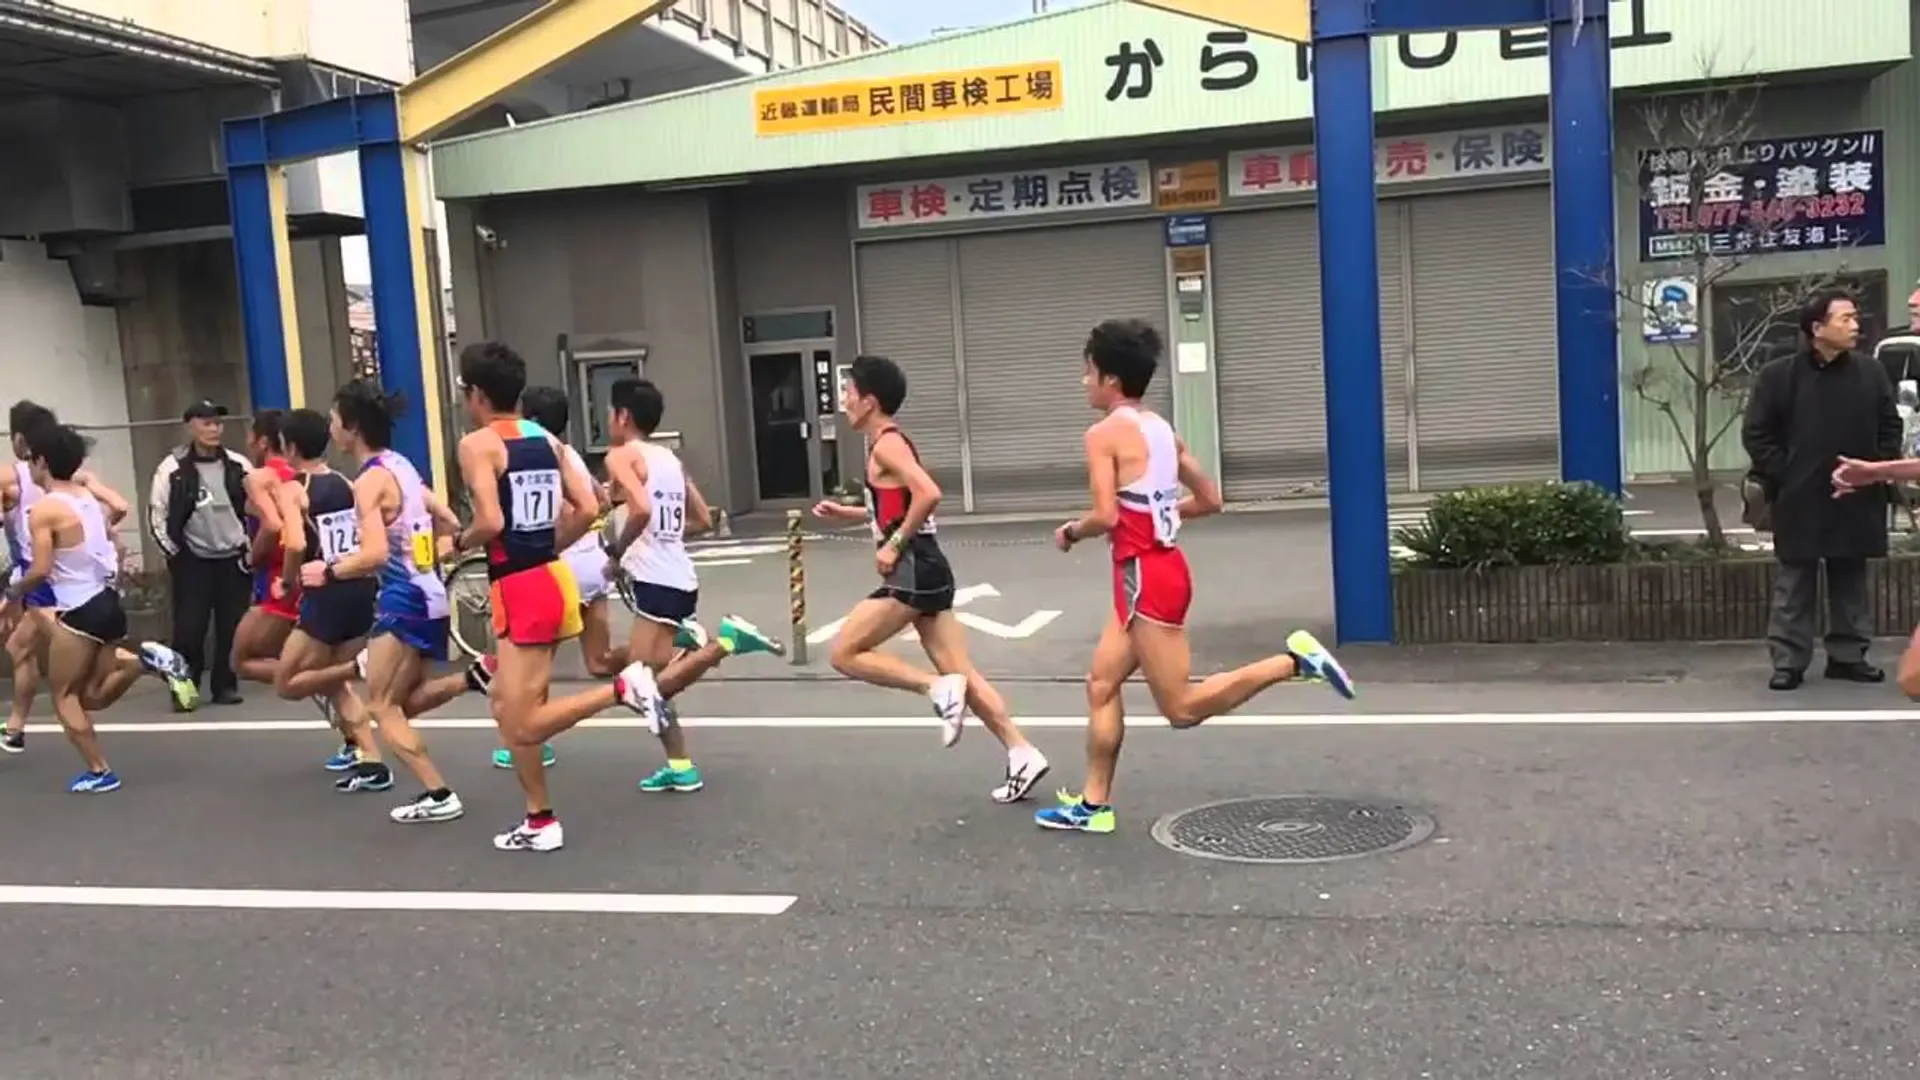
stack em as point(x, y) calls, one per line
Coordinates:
point(1755, 321)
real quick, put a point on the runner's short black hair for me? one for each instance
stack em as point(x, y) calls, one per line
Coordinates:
point(1128, 350)
point(27, 415)
point(547, 406)
point(61, 446)
point(369, 412)
point(642, 402)
point(880, 379)
point(305, 432)
point(269, 424)
point(496, 371)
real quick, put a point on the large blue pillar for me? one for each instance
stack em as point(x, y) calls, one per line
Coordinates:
point(1350, 320)
point(1586, 306)
point(396, 311)
point(250, 204)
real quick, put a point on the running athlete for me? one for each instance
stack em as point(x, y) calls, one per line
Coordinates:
point(263, 630)
point(396, 519)
point(1849, 476)
point(662, 506)
point(75, 555)
point(33, 629)
point(587, 557)
point(1136, 467)
point(319, 522)
point(916, 583)
point(527, 509)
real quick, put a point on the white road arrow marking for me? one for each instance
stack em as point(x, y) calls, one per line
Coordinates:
point(963, 596)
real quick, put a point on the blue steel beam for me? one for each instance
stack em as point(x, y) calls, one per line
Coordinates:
point(383, 188)
point(262, 322)
point(1350, 319)
point(1586, 329)
point(1425, 16)
point(329, 127)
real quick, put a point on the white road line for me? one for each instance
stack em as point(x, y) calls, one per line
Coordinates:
point(704, 563)
point(352, 900)
point(1436, 719)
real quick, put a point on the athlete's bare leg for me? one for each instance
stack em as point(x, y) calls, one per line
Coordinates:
point(945, 642)
point(651, 643)
point(871, 624)
point(527, 719)
point(600, 656)
point(1113, 664)
point(1908, 676)
point(1168, 666)
point(393, 672)
point(115, 671)
point(310, 668)
point(436, 691)
point(72, 663)
point(24, 646)
point(257, 642)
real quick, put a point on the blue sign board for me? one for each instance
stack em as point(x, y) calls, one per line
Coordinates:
point(1814, 193)
point(1188, 230)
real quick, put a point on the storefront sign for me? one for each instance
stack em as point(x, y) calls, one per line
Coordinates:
point(908, 99)
point(1005, 195)
point(1670, 309)
point(1188, 230)
point(1804, 194)
point(1193, 186)
point(1500, 151)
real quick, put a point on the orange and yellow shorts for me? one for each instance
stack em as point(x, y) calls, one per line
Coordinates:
point(537, 606)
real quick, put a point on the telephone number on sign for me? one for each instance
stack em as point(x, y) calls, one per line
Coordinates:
point(1763, 212)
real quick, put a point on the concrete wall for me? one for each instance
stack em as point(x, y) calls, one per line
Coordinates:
point(65, 356)
point(596, 264)
point(320, 290)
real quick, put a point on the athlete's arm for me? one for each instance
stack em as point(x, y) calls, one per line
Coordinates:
point(260, 488)
point(445, 521)
point(483, 489)
point(1103, 480)
point(582, 507)
point(41, 521)
point(1203, 496)
point(110, 500)
point(290, 500)
point(375, 492)
point(699, 515)
point(9, 489)
point(628, 473)
point(896, 459)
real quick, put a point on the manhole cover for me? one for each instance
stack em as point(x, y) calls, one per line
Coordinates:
point(1293, 829)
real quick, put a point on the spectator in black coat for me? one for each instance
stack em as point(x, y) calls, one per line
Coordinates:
point(1805, 413)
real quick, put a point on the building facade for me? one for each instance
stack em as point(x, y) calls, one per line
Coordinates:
point(970, 206)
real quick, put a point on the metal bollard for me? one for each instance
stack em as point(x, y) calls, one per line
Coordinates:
point(796, 590)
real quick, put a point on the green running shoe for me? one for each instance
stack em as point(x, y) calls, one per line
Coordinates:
point(742, 637)
point(690, 635)
point(668, 778)
point(503, 758)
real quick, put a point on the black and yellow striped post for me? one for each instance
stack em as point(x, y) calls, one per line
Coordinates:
point(796, 589)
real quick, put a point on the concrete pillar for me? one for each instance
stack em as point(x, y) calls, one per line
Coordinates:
point(320, 306)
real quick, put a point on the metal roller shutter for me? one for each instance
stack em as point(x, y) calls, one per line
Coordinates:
point(1485, 388)
point(906, 315)
point(1027, 302)
point(1266, 327)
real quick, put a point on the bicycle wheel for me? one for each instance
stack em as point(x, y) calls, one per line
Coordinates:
point(469, 602)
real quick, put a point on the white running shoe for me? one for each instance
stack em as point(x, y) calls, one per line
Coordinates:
point(1025, 768)
point(426, 808)
point(527, 837)
point(637, 690)
point(949, 697)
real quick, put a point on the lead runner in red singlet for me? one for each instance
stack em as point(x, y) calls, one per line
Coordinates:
point(1137, 468)
point(263, 630)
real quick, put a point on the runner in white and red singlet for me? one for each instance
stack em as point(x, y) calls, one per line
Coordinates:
point(1137, 469)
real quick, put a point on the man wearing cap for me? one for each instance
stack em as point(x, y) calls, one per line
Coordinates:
point(197, 502)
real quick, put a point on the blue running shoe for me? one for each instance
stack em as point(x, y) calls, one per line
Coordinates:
point(94, 783)
point(1318, 664)
point(343, 759)
point(1074, 815)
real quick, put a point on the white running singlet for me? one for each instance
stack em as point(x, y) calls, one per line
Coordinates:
point(586, 557)
point(660, 557)
point(89, 568)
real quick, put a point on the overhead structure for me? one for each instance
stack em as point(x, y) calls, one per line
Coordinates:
point(1586, 327)
point(387, 130)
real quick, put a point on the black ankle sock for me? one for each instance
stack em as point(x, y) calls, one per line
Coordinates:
point(440, 794)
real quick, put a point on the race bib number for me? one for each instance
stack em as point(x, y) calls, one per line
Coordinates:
point(1166, 516)
point(422, 531)
point(536, 499)
point(339, 532)
point(669, 516)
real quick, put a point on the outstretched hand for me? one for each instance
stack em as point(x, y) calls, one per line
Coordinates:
point(1853, 474)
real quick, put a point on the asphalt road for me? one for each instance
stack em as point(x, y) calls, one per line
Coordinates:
point(1645, 897)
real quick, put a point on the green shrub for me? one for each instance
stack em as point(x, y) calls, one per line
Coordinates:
point(1518, 525)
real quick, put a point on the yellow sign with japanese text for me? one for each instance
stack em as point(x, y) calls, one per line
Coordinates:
point(1003, 90)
